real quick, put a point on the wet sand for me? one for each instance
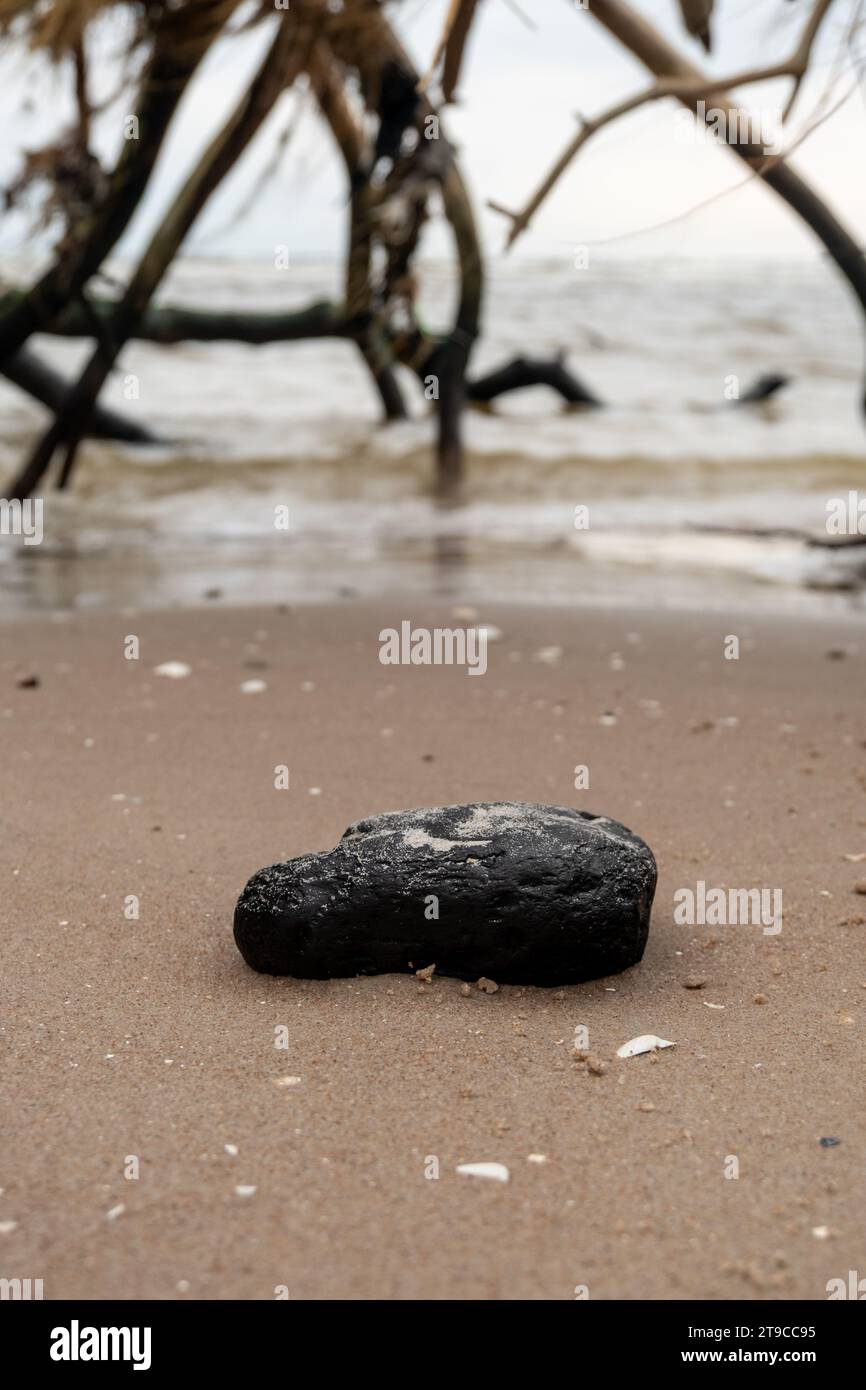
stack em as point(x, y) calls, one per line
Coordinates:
point(149, 1038)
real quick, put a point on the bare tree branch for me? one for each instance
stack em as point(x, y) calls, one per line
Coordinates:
point(171, 67)
point(684, 87)
point(278, 68)
point(26, 371)
point(803, 52)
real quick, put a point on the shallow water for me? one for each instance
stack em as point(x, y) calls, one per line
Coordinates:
point(674, 476)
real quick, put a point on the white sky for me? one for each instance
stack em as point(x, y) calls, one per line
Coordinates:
point(521, 87)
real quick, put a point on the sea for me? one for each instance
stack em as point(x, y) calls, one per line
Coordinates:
point(673, 494)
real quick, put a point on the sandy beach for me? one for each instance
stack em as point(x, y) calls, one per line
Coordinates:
point(148, 1037)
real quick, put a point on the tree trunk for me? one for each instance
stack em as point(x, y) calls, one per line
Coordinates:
point(169, 72)
point(220, 156)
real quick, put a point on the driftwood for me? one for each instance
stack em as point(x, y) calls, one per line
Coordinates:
point(171, 325)
point(220, 156)
point(173, 63)
point(391, 88)
point(663, 59)
point(362, 325)
point(531, 371)
point(40, 381)
point(386, 124)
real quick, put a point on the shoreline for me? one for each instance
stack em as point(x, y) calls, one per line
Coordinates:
point(233, 576)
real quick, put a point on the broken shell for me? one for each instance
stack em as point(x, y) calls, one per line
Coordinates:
point(647, 1042)
point(175, 670)
point(497, 1171)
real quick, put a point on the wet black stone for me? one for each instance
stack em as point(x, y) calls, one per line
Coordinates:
point(526, 894)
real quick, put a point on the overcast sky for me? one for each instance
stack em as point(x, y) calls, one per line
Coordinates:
point(523, 81)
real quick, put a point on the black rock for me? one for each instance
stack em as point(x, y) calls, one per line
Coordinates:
point(525, 894)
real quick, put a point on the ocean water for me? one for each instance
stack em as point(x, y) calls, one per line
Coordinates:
point(691, 498)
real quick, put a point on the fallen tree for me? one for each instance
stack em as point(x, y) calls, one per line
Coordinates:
point(47, 386)
point(387, 126)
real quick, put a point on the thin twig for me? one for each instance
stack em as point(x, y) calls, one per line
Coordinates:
point(683, 89)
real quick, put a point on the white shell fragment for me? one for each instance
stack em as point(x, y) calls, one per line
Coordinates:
point(647, 1042)
point(497, 1171)
point(175, 670)
point(549, 656)
point(253, 687)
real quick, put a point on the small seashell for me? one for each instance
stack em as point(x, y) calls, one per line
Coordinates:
point(497, 1171)
point(175, 670)
point(647, 1042)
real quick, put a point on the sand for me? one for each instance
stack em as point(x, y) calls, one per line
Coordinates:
point(264, 1169)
